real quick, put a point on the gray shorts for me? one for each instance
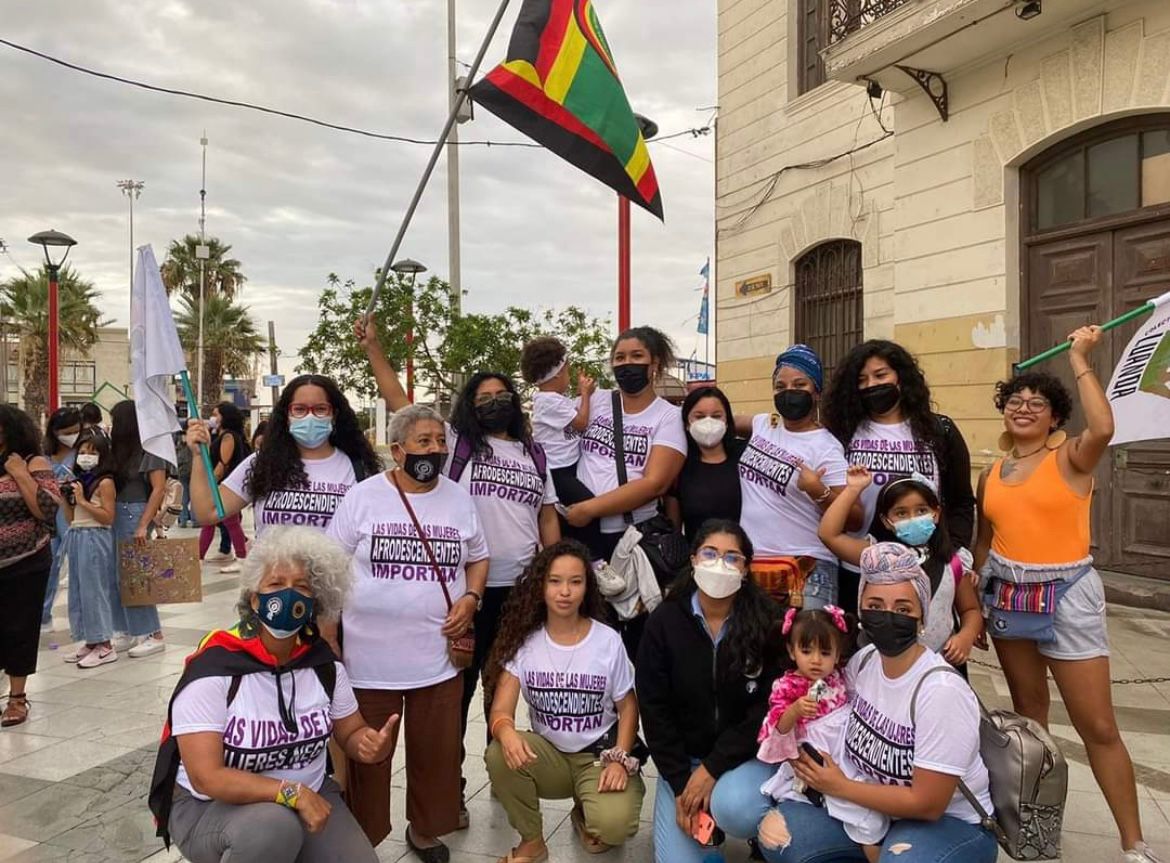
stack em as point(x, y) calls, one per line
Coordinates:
point(1079, 622)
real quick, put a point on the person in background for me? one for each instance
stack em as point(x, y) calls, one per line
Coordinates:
point(91, 418)
point(61, 434)
point(708, 486)
point(790, 473)
point(1035, 552)
point(553, 646)
point(141, 481)
point(224, 794)
point(879, 408)
point(29, 497)
point(258, 435)
point(228, 451)
point(89, 503)
point(183, 468)
point(416, 591)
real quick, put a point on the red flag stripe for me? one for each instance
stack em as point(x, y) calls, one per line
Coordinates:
point(524, 92)
point(552, 39)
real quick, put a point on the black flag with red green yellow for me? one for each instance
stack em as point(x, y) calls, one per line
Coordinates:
point(560, 87)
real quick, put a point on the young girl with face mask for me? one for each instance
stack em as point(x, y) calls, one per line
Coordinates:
point(910, 509)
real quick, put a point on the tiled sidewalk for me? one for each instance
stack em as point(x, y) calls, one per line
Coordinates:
point(73, 779)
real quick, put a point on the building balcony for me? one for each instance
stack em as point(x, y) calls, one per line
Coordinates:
point(881, 39)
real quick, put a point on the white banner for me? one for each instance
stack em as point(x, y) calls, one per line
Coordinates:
point(1140, 388)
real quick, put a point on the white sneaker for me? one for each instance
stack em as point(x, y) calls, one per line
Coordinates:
point(219, 557)
point(78, 653)
point(122, 642)
point(147, 647)
point(98, 656)
point(46, 628)
point(231, 567)
point(1140, 853)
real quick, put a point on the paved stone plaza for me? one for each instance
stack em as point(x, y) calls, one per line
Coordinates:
point(73, 779)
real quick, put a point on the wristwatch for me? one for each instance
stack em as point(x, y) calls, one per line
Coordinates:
point(478, 599)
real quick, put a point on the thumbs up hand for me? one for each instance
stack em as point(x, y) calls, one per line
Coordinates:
point(376, 745)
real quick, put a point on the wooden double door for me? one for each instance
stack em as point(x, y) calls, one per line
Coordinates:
point(1091, 278)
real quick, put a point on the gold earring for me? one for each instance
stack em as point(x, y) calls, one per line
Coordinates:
point(1056, 439)
point(1006, 441)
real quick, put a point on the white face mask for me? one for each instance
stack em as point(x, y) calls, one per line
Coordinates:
point(708, 431)
point(213, 423)
point(718, 580)
point(88, 461)
point(68, 440)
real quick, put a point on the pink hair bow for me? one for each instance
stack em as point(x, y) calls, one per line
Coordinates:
point(838, 616)
point(789, 616)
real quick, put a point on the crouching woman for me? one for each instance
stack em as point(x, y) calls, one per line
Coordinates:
point(241, 769)
point(573, 672)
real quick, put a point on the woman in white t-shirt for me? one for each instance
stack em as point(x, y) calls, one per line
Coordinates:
point(241, 769)
point(313, 453)
point(573, 674)
point(790, 472)
point(911, 738)
point(420, 563)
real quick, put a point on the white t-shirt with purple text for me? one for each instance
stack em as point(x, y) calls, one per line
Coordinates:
point(552, 427)
point(308, 506)
point(393, 620)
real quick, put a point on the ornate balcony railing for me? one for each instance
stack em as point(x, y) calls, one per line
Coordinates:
point(849, 16)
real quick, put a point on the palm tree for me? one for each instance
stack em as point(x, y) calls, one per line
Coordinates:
point(180, 270)
point(230, 340)
point(25, 304)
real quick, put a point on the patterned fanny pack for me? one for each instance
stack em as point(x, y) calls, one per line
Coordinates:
point(1026, 611)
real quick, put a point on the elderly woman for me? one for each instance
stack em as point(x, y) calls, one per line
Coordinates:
point(420, 562)
point(911, 740)
point(241, 770)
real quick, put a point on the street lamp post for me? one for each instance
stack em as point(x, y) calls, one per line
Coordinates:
point(409, 267)
point(649, 129)
point(132, 189)
point(53, 240)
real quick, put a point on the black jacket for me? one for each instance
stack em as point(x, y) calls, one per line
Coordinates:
point(955, 484)
point(692, 707)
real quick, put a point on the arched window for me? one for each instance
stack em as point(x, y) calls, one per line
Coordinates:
point(1119, 168)
point(829, 301)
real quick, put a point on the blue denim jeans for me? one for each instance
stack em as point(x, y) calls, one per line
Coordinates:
point(821, 587)
point(185, 515)
point(93, 583)
point(54, 573)
point(139, 620)
point(671, 844)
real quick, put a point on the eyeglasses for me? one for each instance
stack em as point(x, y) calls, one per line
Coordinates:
point(710, 554)
point(1035, 405)
point(483, 399)
point(299, 411)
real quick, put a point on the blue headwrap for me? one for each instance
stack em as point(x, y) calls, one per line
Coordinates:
point(805, 360)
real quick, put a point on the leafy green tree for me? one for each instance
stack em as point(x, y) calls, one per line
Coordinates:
point(446, 346)
point(230, 340)
point(24, 302)
point(180, 270)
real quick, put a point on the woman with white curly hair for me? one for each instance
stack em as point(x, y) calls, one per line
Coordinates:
point(240, 773)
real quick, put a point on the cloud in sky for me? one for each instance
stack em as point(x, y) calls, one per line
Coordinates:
point(297, 202)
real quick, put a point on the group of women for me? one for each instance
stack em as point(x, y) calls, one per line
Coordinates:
point(454, 561)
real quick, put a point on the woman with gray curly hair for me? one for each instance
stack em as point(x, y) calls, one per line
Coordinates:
point(240, 773)
point(420, 562)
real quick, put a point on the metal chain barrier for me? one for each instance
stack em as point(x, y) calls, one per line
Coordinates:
point(1125, 681)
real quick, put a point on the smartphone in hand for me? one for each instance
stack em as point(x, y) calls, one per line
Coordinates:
point(815, 797)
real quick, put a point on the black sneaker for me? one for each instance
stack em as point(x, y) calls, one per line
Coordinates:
point(434, 854)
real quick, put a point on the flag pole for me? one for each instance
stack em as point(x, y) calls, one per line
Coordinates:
point(456, 106)
point(203, 450)
point(1064, 346)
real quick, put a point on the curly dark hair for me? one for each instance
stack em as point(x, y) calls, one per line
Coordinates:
point(540, 356)
point(842, 410)
point(466, 423)
point(20, 435)
point(693, 398)
point(61, 418)
point(278, 464)
point(231, 418)
point(754, 617)
point(1049, 386)
point(658, 343)
point(526, 611)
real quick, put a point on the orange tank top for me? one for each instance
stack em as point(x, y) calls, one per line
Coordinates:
point(1040, 520)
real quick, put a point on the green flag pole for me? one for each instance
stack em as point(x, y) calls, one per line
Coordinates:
point(1064, 346)
point(192, 404)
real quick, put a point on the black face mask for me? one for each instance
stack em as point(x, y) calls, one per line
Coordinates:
point(793, 405)
point(880, 399)
point(632, 378)
point(424, 467)
point(495, 416)
point(891, 633)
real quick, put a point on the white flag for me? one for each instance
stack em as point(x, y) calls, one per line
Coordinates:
point(155, 358)
point(1140, 388)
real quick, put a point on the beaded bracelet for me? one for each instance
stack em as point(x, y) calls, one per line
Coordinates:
point(619, 756)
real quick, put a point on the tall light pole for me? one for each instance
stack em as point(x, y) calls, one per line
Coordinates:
point(409, 267)
point(454, 277)
point(649, 129)
point(132, 189)
point(53, 240)
point(3, 343)
point(202, 252)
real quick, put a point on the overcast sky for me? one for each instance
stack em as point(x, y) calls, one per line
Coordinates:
point(297, 202)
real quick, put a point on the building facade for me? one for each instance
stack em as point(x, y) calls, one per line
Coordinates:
point(971, 178)
point(103, 370)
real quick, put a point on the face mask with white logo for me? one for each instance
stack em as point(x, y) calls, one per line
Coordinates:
point(718, 580)
point(708, 431)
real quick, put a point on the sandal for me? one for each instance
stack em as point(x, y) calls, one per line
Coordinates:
point(16, 712)
point(513, 857)
point(589, 842)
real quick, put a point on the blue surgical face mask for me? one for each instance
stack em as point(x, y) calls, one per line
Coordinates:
point(311, 431)
point(283, 612)
point(916, 531)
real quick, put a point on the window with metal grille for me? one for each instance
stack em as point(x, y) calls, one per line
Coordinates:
point(813, 36)
point(829, 300)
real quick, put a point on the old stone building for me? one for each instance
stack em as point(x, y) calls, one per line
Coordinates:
point(973, 178)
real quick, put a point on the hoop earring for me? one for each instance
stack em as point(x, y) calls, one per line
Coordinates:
point(1056, 439)
point(1006, 441)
